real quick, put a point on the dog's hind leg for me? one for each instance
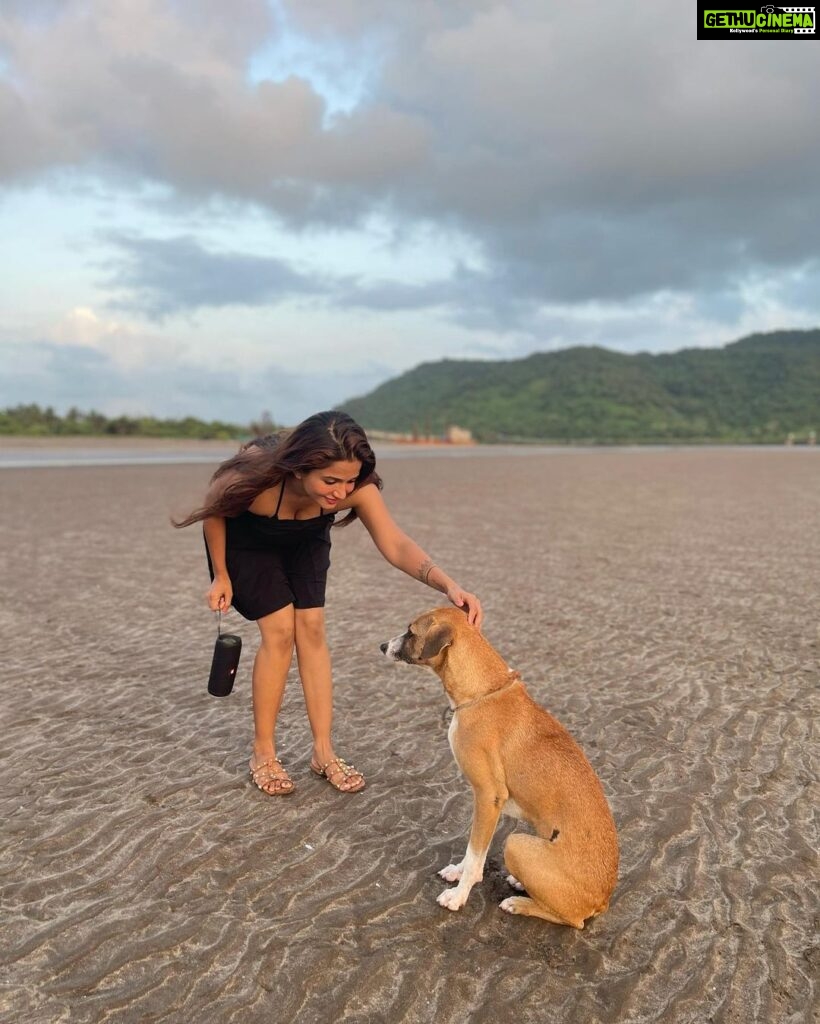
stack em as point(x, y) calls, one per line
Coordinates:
point(528, 907)
point(554, 894)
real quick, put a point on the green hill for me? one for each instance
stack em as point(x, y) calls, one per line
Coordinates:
point(758, 389)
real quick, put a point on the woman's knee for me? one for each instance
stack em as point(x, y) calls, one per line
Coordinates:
point(277, 630)
point(310, 628)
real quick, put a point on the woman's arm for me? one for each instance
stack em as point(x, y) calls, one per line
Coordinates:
point(220, 594)
point(403, 552)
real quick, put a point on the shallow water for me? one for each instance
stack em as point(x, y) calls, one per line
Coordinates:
point(55, 453)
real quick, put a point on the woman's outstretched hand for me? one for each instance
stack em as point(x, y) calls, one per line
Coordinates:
point(220, 594)
point(470, 603)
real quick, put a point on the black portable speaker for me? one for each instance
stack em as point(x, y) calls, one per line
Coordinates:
point(227, 649)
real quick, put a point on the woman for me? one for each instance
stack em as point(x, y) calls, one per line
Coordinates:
point(267, 519)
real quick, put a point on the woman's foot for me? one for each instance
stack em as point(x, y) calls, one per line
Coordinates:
point(339, 774)
point(269, 776)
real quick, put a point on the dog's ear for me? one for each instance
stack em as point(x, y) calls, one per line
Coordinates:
point(438, 637)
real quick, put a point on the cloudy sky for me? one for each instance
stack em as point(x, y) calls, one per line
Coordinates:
point(217, 208)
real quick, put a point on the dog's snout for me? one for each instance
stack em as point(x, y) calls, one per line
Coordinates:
point(391, 649)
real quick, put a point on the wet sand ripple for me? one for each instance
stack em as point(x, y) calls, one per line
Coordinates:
point(662, 604)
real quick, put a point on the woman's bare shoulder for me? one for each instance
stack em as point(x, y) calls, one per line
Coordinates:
point(365, 496)
point(265, 503)
point(228, 478)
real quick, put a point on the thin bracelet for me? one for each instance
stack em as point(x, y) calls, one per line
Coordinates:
point(427, 574)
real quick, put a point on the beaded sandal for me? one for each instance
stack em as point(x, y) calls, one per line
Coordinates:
point(333, 769)
point(271, 773)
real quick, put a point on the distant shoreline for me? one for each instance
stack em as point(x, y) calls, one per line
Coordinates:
point(21, 452)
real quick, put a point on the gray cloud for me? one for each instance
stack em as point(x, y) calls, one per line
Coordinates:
point(72, 375)
point(178, 109)
point(158, 277)
point(587, 156)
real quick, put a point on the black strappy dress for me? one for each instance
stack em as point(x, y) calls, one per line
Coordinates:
point(275, 562)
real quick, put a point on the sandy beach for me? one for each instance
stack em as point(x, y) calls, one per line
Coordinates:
point(662, 604)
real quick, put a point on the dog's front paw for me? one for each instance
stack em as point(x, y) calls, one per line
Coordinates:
point(453, 899)
point(513, 881)
point(452, 873)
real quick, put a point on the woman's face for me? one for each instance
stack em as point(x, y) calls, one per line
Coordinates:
point(331, 484)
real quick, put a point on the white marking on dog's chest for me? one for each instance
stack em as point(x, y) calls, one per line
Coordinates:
point(451, 733)
point(512, 810)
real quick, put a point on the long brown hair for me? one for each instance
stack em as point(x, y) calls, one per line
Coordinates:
point(318, 441)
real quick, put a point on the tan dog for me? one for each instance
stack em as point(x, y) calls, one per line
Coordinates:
point(522, 762)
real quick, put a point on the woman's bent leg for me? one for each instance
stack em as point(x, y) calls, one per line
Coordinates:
point(313, 656)
point(270, 671)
